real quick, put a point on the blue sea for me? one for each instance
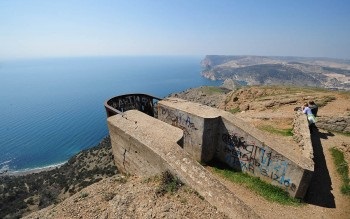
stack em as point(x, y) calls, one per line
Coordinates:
point(51, 109)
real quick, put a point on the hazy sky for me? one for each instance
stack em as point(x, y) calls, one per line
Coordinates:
point(46, 28)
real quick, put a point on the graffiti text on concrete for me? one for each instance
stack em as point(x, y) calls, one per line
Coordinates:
point(256, 159)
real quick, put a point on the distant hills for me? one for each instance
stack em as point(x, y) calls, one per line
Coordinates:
point(276, 70)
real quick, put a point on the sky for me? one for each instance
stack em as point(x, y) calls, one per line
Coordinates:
point(70, 28)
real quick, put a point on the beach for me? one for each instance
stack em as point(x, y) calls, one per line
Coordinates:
point(30, 171)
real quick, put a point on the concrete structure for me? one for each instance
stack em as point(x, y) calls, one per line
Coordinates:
point(141, 102)
point(145, 146)
point(212, 133)
point(186, 132)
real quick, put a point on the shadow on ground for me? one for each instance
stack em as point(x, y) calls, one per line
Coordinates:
point(319, 192)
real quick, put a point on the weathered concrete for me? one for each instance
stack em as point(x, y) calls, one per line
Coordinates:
point(132, 134)
point(210, 133)
point(301, 134)
point(247, 149)
point(199, 124)
point(145, 146)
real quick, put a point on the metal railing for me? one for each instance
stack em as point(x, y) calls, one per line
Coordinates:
point(142, 102)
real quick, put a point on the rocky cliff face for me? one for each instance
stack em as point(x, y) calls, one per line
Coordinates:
point(261, 70)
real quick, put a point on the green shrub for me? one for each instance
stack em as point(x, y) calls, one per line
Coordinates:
point(84, 195)
point(30, 201)
point(212, 90)
point(169, 184)
point(234, 110)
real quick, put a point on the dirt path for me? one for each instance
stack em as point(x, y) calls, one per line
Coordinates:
point(323, 199)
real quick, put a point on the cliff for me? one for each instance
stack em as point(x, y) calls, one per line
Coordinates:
point(20, 195)
point(265, 70)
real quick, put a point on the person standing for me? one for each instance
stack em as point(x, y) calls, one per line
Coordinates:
point(313, 107)
point(310, 116)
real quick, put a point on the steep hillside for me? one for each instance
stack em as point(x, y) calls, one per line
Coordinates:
point(20, 195)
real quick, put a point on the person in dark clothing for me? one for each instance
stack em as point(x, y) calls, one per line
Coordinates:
point(313, 107)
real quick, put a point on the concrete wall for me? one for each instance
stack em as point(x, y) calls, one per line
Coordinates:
point(131, 133)
point(144, 146)
point(200, 132)
point(246, 149)
point(236, 143)
point(301, 134)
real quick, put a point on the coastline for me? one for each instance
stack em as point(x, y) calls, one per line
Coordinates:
point(24, 172)
point(33, 170)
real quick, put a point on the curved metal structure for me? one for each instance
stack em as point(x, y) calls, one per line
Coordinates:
point(142, 102)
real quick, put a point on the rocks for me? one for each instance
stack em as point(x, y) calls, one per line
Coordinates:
point(230, 84)
point(288, 101)
point(135, 198)
point(345, 147)
point(337, 124)
point(244, 107)
point(270, 104)
point(48, 187)
point(210, 96)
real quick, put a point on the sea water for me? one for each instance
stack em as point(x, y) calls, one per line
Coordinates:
point(50, 109)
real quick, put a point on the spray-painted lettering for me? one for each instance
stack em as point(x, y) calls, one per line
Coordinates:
point(258, 160)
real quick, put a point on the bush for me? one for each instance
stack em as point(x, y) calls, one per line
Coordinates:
point(30, 201)
point(234, 110)
point(108, 196)
point(169, 184)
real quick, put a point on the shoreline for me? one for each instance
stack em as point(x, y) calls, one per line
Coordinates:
point(28, 171)
point(33, 170)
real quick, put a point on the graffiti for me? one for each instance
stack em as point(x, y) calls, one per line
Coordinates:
point(181, 120)
point(143, 103)
point(178, 119)
point(258, 160)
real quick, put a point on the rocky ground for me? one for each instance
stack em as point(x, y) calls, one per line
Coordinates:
point(121, 197)
point(268, 109)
